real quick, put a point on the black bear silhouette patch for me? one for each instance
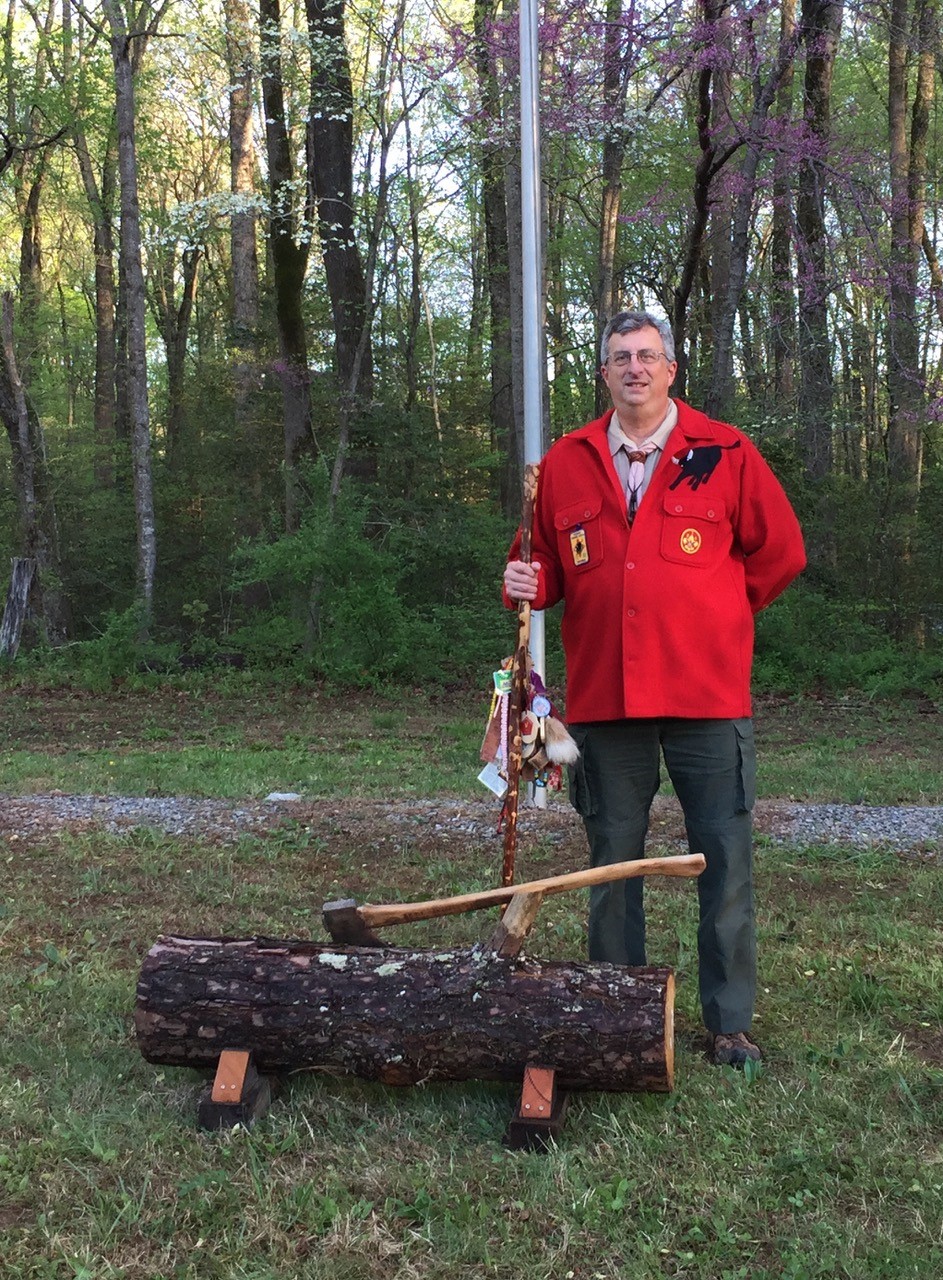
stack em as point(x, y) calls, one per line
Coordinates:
point(698, 465)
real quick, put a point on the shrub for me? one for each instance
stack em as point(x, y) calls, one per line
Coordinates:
point(362, 596)
point(809, 640)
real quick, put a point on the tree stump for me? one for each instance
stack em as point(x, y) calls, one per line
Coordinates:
point(404, 1016)
point(16, 610)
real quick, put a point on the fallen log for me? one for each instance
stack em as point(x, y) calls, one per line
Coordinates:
point(404, 1016)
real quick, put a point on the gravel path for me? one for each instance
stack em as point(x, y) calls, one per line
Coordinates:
point(902, 827)
point(912, 828)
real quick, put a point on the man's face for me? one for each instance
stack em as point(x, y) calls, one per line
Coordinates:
point(636, 387)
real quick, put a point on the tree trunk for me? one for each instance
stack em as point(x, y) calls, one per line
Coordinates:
point(412, 322)
point(477, 257)
point(330, 174)
point(754, 364)
point(936, 274)
point(729, 287)
point(289, 248)
point(907, 394)
point(31, 273)
point(244, 344)
point(173, 321)
point(499, 265)
point(357, 376)
point(24, 121)
point(703, 174)
point(782, 307)
point(405, 1017)
point(105, 344)
point(615, 87)
point(244, 336)
point(908, 171)
point(37, 531)
point(100, 194)
point(242, 240)
point(821, 20)
point(124, 60)
point(720, 220)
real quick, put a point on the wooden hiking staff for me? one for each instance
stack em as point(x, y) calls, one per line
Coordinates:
point(518, 697)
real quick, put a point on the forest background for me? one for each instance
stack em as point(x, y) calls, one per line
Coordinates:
point(261, 327)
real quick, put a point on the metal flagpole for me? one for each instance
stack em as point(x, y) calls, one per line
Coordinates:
point(532, 279)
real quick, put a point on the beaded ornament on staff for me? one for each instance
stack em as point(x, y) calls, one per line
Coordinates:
point(525, 739)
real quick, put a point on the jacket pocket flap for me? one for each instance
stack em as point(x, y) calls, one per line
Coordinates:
point(695, 506)
point(569, 517)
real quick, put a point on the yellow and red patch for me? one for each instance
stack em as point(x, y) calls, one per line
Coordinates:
point(690, 542)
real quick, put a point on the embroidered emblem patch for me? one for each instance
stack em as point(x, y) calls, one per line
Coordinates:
point(578, 546)
point(691, 542)
point(698, 465)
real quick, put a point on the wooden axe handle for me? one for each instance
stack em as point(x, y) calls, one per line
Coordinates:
point(690, 864)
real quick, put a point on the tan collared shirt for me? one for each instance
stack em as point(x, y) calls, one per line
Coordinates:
point(619, 442)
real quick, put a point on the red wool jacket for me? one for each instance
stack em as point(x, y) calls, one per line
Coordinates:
point(658, 620)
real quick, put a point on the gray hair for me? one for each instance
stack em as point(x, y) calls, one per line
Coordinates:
point(631, 322)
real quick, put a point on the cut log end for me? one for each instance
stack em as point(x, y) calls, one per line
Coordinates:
point(669, 1030)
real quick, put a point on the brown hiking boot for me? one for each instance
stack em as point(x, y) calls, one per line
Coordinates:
point(733, 1049)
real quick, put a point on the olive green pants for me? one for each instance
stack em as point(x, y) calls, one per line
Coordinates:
point(712, 765)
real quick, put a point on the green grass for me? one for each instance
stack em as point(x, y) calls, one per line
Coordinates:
point(827, 1162)
point(196, 742)
point(850, 752)
point(375, 766)
point(841, 771)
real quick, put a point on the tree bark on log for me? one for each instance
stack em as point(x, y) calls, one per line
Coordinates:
point(403, 1016)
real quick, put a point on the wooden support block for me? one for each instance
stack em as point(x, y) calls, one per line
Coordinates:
point(238, 1094)
point(231, 1071)
point(539, 1117)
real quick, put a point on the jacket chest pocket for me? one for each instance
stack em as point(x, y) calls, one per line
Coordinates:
point(579, 535)
point(694, 530)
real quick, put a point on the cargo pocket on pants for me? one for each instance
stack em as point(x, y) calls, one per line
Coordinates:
point(746, 747)
point(581, 795)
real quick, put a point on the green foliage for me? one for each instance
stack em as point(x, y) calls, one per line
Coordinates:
point(362, 596)
point(117, 652)
point(808, 640)
point(98, 556)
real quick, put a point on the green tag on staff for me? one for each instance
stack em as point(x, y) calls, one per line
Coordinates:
point(502, 681)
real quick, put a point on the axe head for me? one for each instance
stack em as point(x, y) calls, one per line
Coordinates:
point(344, 923)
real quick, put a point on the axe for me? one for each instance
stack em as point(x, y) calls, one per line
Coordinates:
point(351, 925)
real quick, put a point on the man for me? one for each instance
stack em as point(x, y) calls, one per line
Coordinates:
point(663, 532)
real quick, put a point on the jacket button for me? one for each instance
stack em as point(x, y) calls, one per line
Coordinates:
point(587, 514)
point(630, 613)
point(630, 565)
point(710, 515)
point(679, 509)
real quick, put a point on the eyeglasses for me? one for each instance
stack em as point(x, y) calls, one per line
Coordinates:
point(647, 355)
